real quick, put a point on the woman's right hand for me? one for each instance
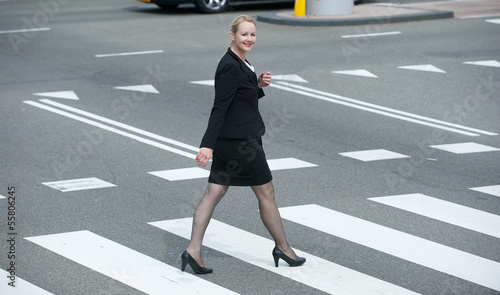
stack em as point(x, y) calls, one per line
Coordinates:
point(204, 156)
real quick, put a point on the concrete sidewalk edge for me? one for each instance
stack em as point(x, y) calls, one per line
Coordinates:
point(419, 15)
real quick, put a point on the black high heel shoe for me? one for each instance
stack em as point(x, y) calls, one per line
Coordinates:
point(186, 258)
point(277, 254)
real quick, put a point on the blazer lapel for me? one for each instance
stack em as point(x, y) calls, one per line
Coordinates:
point(245, 68)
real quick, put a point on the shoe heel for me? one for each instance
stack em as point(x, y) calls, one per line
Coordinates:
point(276, 259)
point(184, 263)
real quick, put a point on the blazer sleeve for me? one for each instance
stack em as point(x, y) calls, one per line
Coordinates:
point(227, 82)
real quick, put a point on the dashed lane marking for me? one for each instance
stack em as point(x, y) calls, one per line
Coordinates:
point(148, 88)
point(425, 68)
point(129, 53)
point(196, 172)
point(360, 72)
point(374, 155)
point(465, 148)
point(78, 184)
point(59, 94)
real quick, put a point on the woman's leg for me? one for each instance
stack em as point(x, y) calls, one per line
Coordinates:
point(271, 217)
point(203, 213)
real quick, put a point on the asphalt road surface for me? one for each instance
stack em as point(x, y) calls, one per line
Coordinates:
point(384, 149)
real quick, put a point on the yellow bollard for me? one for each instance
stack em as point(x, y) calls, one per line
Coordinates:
point(300, 7)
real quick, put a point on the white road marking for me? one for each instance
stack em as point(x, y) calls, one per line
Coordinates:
point(405, 116)
point(469, 218)
point(371, 35)
point(316, 272)
point(399, 244)
point(114, 130)
point(21, 286)
point(426, 68)
point(24, 30)
point(204, 82)
point(125, 265)
point(182, 174)
point(121, 125)
point(129, 53)
point(148, 88)
point(288, 163)
point(196, 172)
point(2, 197)
point(360, 72)
point(486, 63)
point(78, 184)
point(493, 21)
point(59, 94)
point(491, 190)
point(374, 155)
point(292, 78)
point(465, 148)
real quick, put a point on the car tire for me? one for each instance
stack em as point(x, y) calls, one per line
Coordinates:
point(212, 6)
point(167, 6)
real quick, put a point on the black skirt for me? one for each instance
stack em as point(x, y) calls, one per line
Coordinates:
point(239, 162)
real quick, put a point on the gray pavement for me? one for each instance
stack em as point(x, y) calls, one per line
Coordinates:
point(388, 13)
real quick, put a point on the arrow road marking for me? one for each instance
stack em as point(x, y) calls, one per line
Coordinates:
point(59, 94)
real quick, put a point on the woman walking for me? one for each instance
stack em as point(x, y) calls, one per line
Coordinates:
point(233, 138)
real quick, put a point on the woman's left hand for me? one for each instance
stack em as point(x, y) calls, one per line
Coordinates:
point(264, 79)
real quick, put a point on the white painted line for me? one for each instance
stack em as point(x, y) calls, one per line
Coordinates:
point(121, 125)
point(129, 53)
point(288, 163)
point(486, 63)
point(21, 286)
point(291, 78)
point(425, 68)
point(369, 107)
point(182, 174)
point(371, 35)
point(24, 31)
point(78, 184)
point(2, 197)
point(361, 72)
point(493, 21)
point(399, 244)
point(125, 265)
point(469, 218)
point(316, 272)
point(148, 88)
point(196, 172)
point(114, 130)
point(59, 94)
point(374, 155)
point(492, 190)
point(465, 148)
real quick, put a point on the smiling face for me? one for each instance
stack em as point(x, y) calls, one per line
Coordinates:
point(244, 38)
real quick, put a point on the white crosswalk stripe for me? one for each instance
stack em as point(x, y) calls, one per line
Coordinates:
point(125, 265)
point(256, 250)
point(21, 287)
point(459, 215)
point(154, 277)
point(417, 250)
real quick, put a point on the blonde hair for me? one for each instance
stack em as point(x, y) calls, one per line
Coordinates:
point(238, 20)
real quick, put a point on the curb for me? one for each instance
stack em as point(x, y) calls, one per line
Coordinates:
point(290, 20)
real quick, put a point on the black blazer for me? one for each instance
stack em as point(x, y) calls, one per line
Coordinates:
point(235, 113)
